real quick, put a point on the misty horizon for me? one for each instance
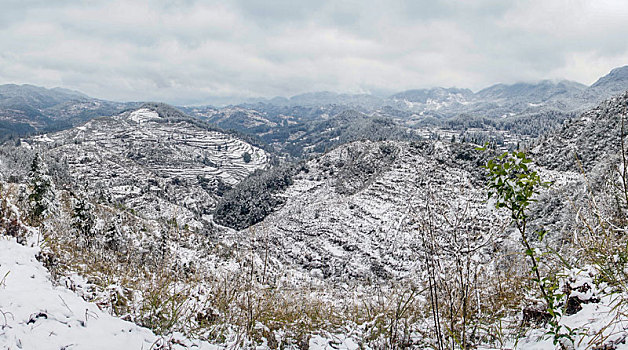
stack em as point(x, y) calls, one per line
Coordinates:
point(229, 100)
point(191, 53)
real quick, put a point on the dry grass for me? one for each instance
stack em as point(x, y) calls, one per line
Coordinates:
point(225, 306)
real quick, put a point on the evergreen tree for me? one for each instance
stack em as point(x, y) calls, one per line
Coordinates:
point(113, 236)
point(83, 220)
point(41, 197)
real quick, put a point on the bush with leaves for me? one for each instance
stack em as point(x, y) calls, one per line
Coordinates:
point(512, 185)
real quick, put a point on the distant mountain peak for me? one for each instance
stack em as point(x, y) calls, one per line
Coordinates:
point(619, 74)
point(623, 70)
point(536, 92)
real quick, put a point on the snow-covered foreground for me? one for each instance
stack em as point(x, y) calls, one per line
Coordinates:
point(34, 314)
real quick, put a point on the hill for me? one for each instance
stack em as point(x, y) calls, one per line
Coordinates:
point(27, 109)
point(154, 160)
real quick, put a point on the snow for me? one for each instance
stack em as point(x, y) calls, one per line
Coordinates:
point(600, 320)
point(44, 138)
point(320, 343)
point(143, 115)
point(34, 314)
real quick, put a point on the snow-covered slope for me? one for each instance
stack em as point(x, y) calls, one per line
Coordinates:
point(433, 99)
point(25, 109)
point(591, 138)
point(613, 83)
point(35, 314)
point(162, 167)
point(352, 216)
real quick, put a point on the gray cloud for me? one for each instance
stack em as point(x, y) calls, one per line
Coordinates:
point(189, 52)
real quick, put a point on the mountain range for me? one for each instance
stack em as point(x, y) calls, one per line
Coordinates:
point(27, 109)
point(282, 222)
point(563, 95)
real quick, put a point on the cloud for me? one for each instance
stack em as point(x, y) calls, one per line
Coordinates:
point(190, 52)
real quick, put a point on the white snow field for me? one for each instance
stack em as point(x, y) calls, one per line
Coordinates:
point(35, 314)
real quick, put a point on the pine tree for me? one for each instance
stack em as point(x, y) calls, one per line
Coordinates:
point(113, 236)
point(41, 197)
point(83, 220)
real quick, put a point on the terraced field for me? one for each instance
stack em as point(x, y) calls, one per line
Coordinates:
point(161, 168)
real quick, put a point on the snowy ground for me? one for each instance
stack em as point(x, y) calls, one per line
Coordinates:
point(35, 314)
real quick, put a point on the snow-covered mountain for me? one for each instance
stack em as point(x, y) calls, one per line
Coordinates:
point(509, 114)
point(533, 93)
point(25, 109)
point(28, 109)
point(611, 84)
point(433, 99)
point(322, 98)
point(155, 161)
point(495, 101)
point(502, 100)
point(588, 140)
point(350, 215)
point(301, 135)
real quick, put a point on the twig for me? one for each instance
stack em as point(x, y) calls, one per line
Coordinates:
point(4, 279)
point(90, 313)
point(66, 305)
point(4, 315)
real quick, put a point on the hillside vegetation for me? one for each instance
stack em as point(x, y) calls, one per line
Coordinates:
point(378, 241)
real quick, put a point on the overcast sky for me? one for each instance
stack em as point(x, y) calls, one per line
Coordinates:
point(191, 52)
